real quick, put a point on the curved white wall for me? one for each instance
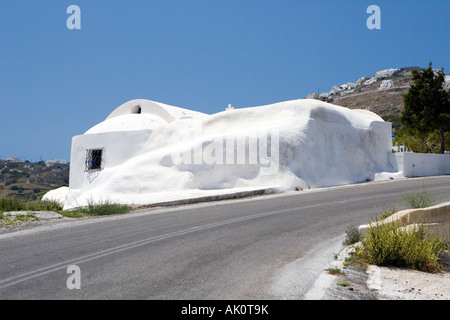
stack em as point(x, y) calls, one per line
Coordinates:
point(145, 106)
point(311, 143)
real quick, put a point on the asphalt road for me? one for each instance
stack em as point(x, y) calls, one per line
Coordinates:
point(230, 249)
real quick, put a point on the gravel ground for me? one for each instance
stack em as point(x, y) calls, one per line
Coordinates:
point(383, 283)
point(400, 284)
point(375, 283)
point(33, 223)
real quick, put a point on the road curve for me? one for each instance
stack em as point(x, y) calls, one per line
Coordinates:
point(230, 249)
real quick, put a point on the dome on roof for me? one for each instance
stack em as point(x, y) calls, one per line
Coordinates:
point(141, 114)
point(128, 122)
point(368, 114)
point(164, 111)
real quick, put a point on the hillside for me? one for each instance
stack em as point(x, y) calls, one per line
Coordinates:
point(381, 101)
point(387, 103)
point(31, 180)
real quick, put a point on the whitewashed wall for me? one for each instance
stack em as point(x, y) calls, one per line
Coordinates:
point(118, 147)
point(421, 164)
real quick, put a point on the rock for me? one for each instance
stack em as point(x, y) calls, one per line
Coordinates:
point(38, 214)
point(46, 215)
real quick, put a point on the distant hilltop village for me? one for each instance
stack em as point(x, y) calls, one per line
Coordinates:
point(47, 162)
point(381, 76)
point(344, 89)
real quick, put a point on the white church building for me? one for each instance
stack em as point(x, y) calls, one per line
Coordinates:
point(147, 152)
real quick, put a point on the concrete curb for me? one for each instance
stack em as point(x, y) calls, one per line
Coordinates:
point(217, 197)
point(436, 217)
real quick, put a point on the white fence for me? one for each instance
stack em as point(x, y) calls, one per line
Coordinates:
point(420, 164)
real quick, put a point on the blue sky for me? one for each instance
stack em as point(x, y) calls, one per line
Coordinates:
point(56, 83)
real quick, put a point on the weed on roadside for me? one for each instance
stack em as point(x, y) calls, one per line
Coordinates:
point(419, 199)
point(352, 236)
point(387, 212)
point(99, 209)
point(343, 284)
point(15, 204)
point(9, 220)
point(335, 271)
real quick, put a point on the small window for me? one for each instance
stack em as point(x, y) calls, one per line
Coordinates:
point(136, 109)
point(94, 159)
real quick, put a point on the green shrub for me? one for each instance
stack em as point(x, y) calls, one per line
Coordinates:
point(15, 204)
point(394, 245)
point(94, 209)
point(46, 205)
point(11, 204)
point(101, 208)
point(420, 199)
point(387, 212)
point(352, 236)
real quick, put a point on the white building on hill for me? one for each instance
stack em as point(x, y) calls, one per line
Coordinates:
point(370, 81)
point(386, 73)
point(55, 161)
point(386, 84)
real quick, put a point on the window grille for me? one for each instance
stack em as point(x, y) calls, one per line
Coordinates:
point(94, 159)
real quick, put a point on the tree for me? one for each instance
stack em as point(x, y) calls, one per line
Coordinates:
point(420, 142)
point(427, 105)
